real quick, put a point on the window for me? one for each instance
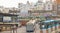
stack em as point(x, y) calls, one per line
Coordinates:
point(58, 7)
point(48, 8)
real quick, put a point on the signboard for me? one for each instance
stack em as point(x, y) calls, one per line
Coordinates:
point(6, 19)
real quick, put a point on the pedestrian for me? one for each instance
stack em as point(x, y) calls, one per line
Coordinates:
point(0, 29)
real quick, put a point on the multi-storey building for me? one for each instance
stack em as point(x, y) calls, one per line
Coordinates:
point(14, 11)
point(4, 10)
point(24, 14)
point(24, 9)
point(40, 8)
point(43, 8)
point(57, 1)
point(7, 21)
point(40, 5)
point(48, 8)
point(58, 6)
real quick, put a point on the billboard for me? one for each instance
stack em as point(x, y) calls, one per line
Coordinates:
point(6, 19)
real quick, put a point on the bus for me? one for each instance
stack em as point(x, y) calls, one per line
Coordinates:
point(46, 26)
point(30, 26)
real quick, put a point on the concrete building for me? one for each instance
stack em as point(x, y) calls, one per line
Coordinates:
point(24, 6)
point(43, 9)
point(54, 8)
point(38, 8)
point(7, 21)
point(57, 1)
point(14, 11)
point(40, 5)
point(48, 6)
point(24, 9)
point(58, 9)
point(4, 10)
point(58, 6)
point(1, 9)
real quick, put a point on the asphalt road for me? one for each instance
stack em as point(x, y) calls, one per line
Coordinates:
point(23, 30)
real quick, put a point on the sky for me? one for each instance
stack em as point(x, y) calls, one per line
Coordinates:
point(14, 3)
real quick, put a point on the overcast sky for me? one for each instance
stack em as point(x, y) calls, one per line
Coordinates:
point(14, 3)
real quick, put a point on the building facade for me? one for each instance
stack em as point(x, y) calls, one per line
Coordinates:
point(58, 6)
point(48, 6)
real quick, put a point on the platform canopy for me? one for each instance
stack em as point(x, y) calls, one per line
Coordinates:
point(6, 14)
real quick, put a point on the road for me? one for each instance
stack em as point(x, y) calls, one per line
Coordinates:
point(23, 30)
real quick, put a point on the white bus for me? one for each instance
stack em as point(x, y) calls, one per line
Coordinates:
point(30, 26)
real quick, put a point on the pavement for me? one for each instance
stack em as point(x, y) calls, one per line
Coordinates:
point(56, 31)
